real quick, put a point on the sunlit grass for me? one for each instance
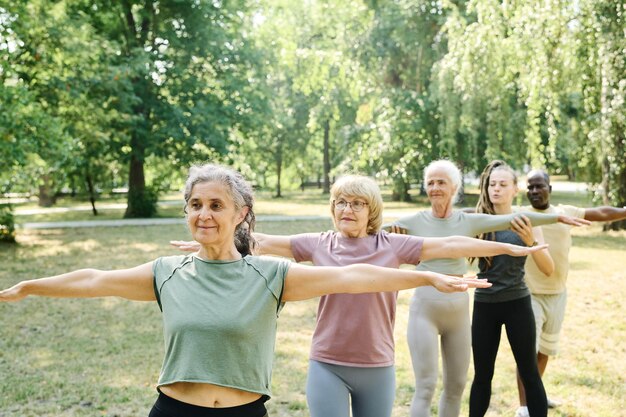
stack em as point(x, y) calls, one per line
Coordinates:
point(308, 203)
point(588, 375)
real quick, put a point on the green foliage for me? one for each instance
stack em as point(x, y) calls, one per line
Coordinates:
point(601, 48)
point(133, 79)
point(97, 94)
point(7, 224)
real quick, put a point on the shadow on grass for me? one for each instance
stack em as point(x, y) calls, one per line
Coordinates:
point(603, 241)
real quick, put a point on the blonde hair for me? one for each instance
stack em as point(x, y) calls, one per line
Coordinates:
point(360, 186)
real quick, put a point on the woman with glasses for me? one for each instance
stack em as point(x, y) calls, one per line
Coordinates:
point(352, 354)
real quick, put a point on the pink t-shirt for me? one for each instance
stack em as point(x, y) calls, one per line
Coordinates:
point(356, 329)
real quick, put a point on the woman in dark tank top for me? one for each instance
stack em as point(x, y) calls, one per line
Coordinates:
point(508, 301)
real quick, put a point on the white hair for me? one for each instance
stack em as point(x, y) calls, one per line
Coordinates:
point(452, 171)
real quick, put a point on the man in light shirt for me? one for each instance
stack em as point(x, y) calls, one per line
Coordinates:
point(549, 294)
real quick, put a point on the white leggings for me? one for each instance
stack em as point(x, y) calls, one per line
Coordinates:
point(331, 390)
point(433, 314)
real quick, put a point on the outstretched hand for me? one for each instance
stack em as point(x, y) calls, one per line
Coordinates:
point(526, 250)
point(11, 294)
point(398, 229)
point(449, 283)
point(573, 221)
point(184, 245)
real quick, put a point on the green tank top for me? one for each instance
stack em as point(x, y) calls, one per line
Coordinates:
point(219, 319)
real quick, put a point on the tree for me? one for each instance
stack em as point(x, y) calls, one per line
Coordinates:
point(178, 70)
point(31, 80)
point(399, 51)
point(602, 46)
point(331, 78)
point(280, 134)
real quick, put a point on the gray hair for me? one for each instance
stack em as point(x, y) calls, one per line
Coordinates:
point(452, 171)
point(239, 190)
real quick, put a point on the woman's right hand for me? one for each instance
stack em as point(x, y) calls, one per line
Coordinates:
point(394, 228)
point(186, 245)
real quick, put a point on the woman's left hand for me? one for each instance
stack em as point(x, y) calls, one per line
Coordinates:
point(523, 227)
point(184, 245)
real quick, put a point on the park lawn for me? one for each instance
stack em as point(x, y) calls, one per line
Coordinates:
point(308, 203)
point(101, 357)
point(589, 375)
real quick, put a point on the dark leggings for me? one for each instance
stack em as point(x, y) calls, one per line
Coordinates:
point(169, 407)
point(519, 322)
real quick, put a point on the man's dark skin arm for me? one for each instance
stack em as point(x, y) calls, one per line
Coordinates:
point(605, 214)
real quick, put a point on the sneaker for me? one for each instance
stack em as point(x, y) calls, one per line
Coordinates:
point(553, 403)
point(522, 412)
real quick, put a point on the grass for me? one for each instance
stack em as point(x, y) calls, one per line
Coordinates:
point(311, 202)
point(101, 357)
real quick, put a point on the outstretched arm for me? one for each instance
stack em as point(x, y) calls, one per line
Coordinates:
point(279, 245)
point(605, 214)
point(484, 223)
point(467, 247)
point(274, 244)
point(304, 281)
point(133, 284)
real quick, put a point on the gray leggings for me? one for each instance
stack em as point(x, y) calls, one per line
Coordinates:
point(330, 389)
point(434, 314)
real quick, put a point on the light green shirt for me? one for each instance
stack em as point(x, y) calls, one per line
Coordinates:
point(219, 319)
point(424, 224)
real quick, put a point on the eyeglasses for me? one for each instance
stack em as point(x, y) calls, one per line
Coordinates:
point(355, 205)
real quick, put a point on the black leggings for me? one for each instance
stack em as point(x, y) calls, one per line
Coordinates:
point(519, 322)
point(169, 407)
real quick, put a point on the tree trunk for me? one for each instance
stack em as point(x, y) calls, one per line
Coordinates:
point(279, 167)
point(400, 190)
point(140, 202)
point(92, 194)
point(617, 177)
point(326, 189)
point(46, 192)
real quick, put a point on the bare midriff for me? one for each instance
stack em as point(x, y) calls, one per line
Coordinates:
point(208, 395)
